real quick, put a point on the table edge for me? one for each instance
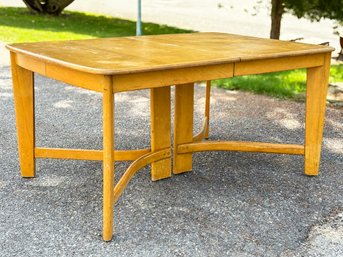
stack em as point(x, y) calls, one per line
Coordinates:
point(47, 60)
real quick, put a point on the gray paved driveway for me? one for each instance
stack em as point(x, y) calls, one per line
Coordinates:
point(232, 204)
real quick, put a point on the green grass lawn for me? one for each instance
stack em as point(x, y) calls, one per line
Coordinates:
point(19, 25)
point(285, 84)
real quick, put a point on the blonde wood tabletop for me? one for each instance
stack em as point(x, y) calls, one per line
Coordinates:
point(110, 56)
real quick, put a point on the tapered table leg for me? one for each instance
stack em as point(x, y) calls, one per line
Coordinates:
point(317, 85)
point(183, 126)
point(108, 163)
point(160, 130)
point(23, 89)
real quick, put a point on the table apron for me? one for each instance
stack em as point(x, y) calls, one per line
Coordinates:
point(278, 64)
point(94, 82)
point(153, 79)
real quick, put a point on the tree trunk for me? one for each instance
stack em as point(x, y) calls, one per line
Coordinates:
point(54, 7)
point(276, 16)
point(33, 5)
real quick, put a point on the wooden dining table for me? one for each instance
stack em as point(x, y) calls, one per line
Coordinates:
point(113, 65)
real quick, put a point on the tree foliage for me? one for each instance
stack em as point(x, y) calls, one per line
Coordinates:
point(310, 9)
point(315, 9)
point(54, 7)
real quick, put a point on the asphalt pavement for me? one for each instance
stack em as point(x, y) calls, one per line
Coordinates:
point(231, 204)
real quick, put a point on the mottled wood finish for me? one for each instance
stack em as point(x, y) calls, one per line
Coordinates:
point(150, 53)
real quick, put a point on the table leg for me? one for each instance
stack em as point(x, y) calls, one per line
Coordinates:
point(23, 90)
point(160, 130)
point(108, 163)
point(183, 126)
point(317, 85)
point(207, 106)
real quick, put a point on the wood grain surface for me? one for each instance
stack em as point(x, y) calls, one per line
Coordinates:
point(109, 56)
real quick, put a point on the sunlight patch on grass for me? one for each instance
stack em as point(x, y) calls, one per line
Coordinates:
point(283, 85)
